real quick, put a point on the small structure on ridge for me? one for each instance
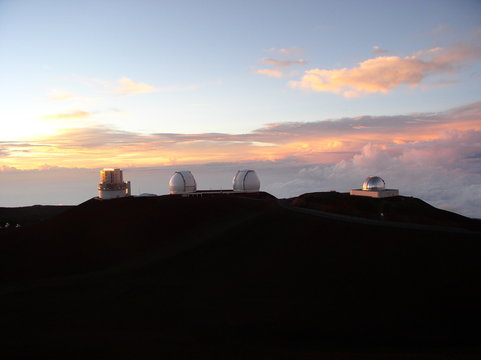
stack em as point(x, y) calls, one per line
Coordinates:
point(375, 187)
point(182, 182)
point(246, 181)
point(112, 184)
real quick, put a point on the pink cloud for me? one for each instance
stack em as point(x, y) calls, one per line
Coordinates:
point(377, 50)
point(283, 63)
point(418, 153)
point(407, 138)
point(270, 72)
point(280, 66)
point(129, 86)
point(383, 73)
point(61, 95)
point(287, 52)
point(291, 51)
point(445, 171)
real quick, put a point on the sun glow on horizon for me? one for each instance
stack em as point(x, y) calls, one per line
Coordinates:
point(95, 146)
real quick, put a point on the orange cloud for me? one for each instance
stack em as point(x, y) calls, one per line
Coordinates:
point(78, 114)
point(270, 72)
point(129, 86)
point(377, 50)
point(61, 95)
point(283, 63)
point(307, 142)
point(291, 51)
point(381, 74)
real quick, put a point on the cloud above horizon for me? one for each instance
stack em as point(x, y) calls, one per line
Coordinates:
point(377, 50)
point(122, 86)
point(58, 95)
point(326, 141)
point(270, 72)
point(129, 86)
point(283, 63)
point(434, 156)
point(76, 114)
point(383, 73)
point(280, 66)
point(417, 170)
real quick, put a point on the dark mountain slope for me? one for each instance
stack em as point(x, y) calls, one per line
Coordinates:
point(99, 234)
point(230, 275)
point(28, 215)
point(398, 208)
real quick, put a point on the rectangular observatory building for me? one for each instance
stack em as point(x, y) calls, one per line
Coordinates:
point(112, 184)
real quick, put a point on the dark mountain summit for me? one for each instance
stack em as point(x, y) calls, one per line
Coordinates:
point(238, 276)
point(398, 208)
point(27, 215)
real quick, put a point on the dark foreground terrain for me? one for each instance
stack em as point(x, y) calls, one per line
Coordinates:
point(239, 277)
point(27, 215)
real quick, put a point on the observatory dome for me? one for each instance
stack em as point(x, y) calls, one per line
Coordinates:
point(246, 180)
point(373, 183)
point(182, 182)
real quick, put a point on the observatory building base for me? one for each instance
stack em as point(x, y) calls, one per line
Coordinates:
point(375, 193)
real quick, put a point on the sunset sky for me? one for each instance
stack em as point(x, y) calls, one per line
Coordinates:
point(317, 94)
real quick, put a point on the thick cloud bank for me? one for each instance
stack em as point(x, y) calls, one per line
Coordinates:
point(433, 156)
point(445, 172)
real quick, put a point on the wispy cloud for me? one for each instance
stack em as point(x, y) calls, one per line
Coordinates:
point(297, 51)
point(270, 72)
point(283, 63)
point(280, 66)
point(291, 51)
point(123, 86)
point(58, 95)
point(77, 114)
point(129, 86)
point(383, 73)
point(177, 88)
point(441, 28)
point(377, 50)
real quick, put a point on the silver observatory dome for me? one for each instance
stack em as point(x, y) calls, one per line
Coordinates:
point(246, 180)
point(182, 182)
point(373, 183)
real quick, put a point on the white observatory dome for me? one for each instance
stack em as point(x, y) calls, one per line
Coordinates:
point(182, 182)
point(373, 183)
point(246, 180)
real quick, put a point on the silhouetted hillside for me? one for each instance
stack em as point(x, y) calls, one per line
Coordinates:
point(398, 208)
point(27, 215)
point(235, 277)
